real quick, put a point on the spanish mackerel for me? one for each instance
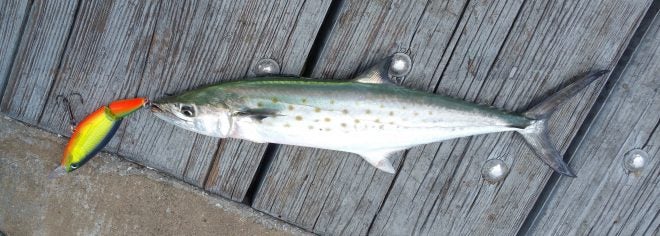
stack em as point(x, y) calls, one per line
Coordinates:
point(369, 115)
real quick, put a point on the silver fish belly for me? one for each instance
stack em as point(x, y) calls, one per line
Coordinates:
point(371, 121)
point(369, 115)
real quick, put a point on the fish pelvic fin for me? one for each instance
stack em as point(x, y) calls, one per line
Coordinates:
point(379, 160)
point(536, 134)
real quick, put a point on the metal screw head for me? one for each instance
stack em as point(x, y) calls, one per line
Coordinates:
point(635, 160)
point(494, 170)
point(401, 65)
point(266, 66)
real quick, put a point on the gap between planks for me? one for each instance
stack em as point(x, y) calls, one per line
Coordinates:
point(60, 60)
point(312, 59)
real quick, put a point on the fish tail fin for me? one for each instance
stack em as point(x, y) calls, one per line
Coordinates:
point(536, 134)
point(538, 139)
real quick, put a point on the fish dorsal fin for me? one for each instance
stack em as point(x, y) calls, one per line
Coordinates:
point(379, 160)
point(377, 74)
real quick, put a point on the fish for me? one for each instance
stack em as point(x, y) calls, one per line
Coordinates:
point(94, 132)
point(369, 115)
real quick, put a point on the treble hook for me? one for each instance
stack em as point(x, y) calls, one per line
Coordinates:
point(67, 103)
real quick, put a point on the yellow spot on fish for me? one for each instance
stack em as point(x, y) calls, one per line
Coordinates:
point(304, 100)
point(298, 118)
point(259, 104)
point(344, 111)
point(287, 125)
point(275, 100)
point(357, 121)
point(377, 120)
point(290, 108)
point(327, 119)
point(317, 109)
point(368, 111)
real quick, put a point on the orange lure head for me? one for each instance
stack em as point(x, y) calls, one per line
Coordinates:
point(123, 108)
point(94, 132)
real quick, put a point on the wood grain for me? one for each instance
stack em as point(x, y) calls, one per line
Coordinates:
point(120, 49)
point(38, 59)
point(103, 61)
point(548, 43)
point(332, 192)
point(204, 42)
point(606, 199)
point(507, 54)
point(12, 14)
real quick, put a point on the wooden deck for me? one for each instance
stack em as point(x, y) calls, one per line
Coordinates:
point(504, 53)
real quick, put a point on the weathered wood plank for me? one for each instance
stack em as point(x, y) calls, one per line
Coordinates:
point(103, 60)
point(12, 13)
point(121, 49)
point(338, 193)
point(203, 42)
point(605, 199)
point(233, 170)
point(549, 42)
point(438, 189)
point(38, 58)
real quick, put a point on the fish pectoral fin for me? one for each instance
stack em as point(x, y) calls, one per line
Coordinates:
point(377, 74)
point(257, 114)
point(379, 160)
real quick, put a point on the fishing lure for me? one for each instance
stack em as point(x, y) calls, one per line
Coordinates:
point(369, 115)
point(94, 132)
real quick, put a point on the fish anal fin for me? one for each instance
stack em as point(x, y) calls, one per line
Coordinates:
point(379, 160)
point(376, 74)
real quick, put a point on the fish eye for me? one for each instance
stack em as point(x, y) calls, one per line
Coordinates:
point(74, 166)
point(187, 111)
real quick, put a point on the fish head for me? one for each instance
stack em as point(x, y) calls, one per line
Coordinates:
point(195, 112)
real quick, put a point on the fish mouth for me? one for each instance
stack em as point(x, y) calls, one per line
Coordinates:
point(163, 113)
point(155, 108)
